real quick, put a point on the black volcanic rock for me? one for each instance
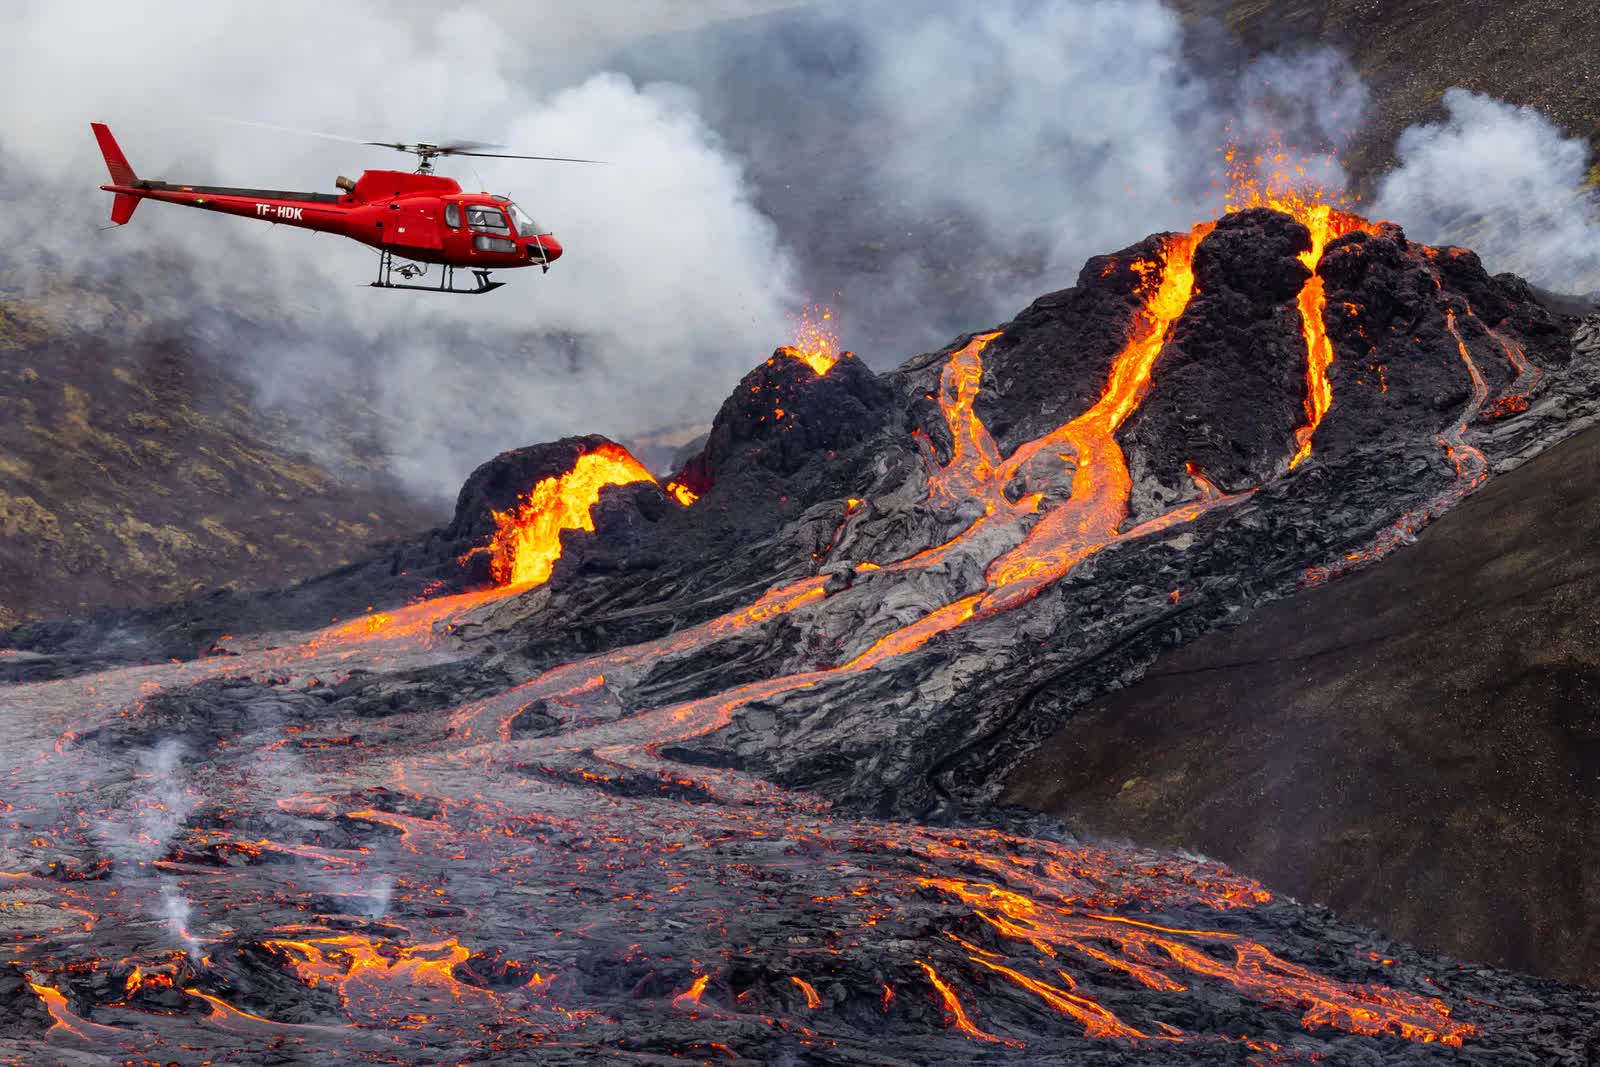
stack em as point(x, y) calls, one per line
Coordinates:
point(1051, 363)
point(726, 784)
point(1453, 691)
point(787, 431)
point(1228, 390)
point(500, 483)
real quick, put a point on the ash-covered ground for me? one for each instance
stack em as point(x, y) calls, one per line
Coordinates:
point(722, 787)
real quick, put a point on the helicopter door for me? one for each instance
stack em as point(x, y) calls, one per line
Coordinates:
point(413, 225)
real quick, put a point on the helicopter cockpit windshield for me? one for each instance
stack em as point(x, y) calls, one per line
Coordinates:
point(526, 227)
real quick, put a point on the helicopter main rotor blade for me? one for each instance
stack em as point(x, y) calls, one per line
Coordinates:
point(552, 159)
point(462, 148)
point(454, 148)
point(307, 133)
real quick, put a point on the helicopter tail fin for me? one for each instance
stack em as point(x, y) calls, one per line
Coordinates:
point(116, 162)
point(121, 173)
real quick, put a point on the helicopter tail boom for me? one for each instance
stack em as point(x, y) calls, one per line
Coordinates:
point(121, 173)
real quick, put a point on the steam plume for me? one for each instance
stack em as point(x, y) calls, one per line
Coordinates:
point(1504, 181)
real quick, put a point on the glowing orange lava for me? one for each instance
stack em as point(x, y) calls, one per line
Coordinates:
point(815, 342)
point(952, 1006)
point(1101, 484)
point(813, 1000)
point(1146, 951)
point(527, 542)
point(689, 999)
point(1289, 189)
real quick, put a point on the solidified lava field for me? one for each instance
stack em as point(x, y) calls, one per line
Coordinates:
point(619, 770)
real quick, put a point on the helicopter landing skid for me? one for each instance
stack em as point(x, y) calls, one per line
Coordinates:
point(408, 271)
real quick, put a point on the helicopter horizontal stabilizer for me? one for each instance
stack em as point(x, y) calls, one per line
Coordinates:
point(122, 206)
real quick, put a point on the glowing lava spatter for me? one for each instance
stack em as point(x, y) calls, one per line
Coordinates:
point(816, 344)
point(527, 541)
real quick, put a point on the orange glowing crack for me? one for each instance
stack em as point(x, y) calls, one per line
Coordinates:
point(813, 1000)
point(689, 999)
point(956, 1013)
point(1097, 1021)
point(1255, 971)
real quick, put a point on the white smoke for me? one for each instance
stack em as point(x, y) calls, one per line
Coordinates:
point(1504, 181)
point(1069, 126)
point(176, 909)
point(1082, 125)
point(673, 280)
point(141, 830)
point(999, 145)
point(1024, 136)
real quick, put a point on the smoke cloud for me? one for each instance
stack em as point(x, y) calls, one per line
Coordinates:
point(930, 172)
point(1504, 181)
point(939, 171)
point(671, 284)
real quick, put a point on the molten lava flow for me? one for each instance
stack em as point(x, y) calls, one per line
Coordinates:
point(1147, 950)
point(527, 542)
point(64, 1019)
point(1288, 189)
point(815, 342)
point(1472, 469)
point(813, 999)
point(1325, 225)
point(681, 493)
point(973, 455)
point(952, 1006)
point(1101, 484)
point(1096, 1020)
point(371, 977)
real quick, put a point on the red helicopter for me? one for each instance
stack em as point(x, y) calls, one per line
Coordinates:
point(422, 217)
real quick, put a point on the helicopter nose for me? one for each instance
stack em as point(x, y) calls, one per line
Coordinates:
point(550, 246)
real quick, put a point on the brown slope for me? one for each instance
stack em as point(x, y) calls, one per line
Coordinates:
point(135, 469)
point(1417, 746)
point(1538, 53)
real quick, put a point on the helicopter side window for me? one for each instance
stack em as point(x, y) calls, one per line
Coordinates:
point(487, 219)
point(452, 216)
point(526, 227)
